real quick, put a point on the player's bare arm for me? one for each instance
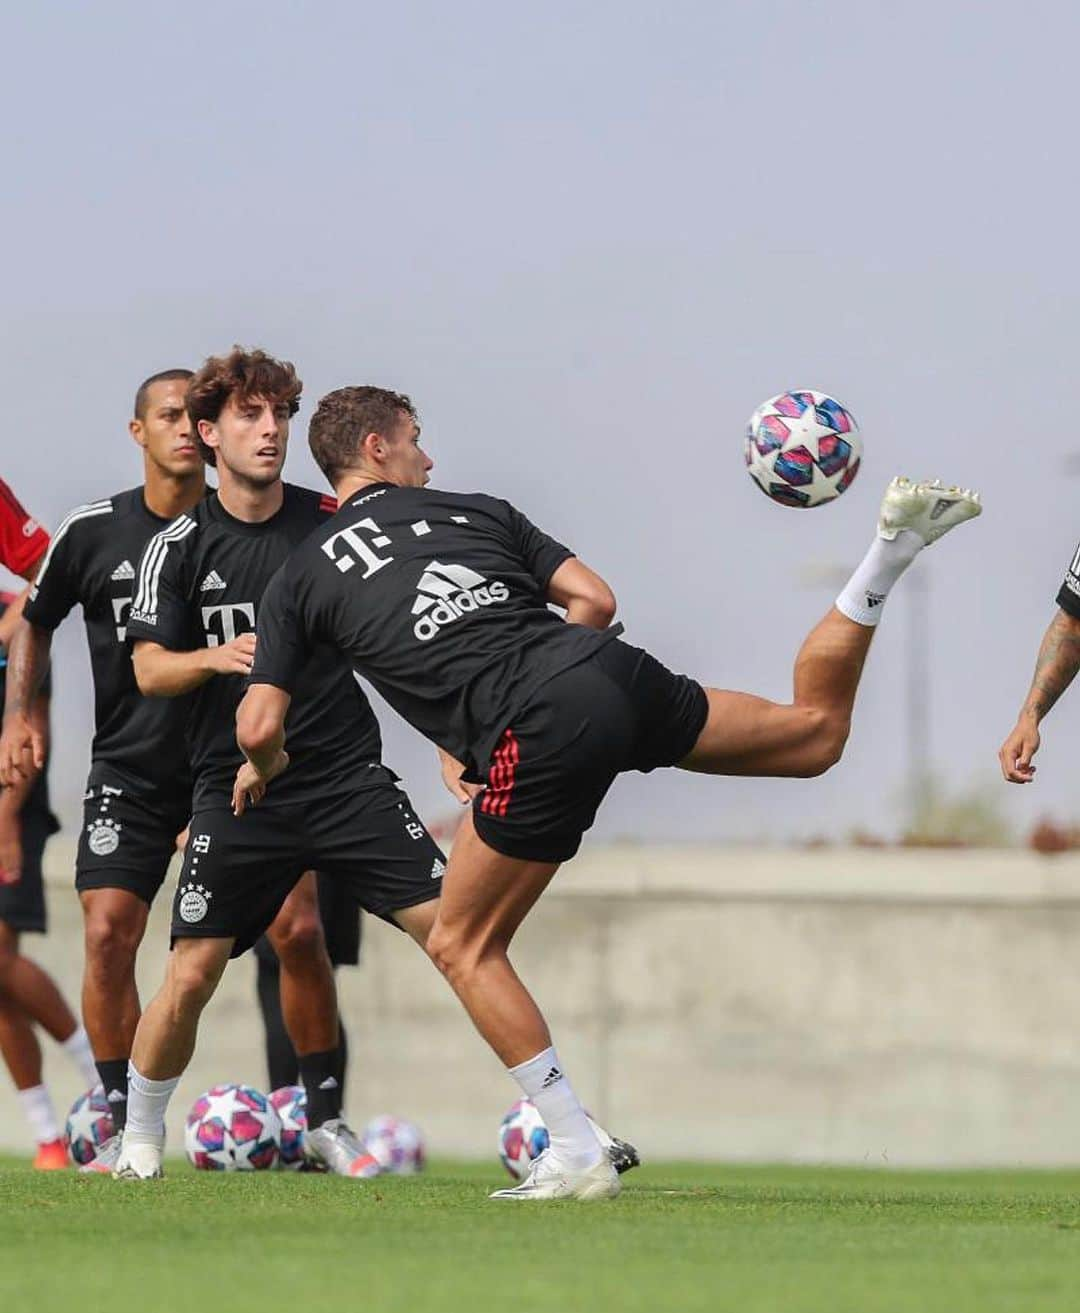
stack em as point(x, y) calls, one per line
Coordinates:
point(13, 796)
point(22, 746)
point(162, 673)
point(586, 598)
point(1055, 669)
point(260, 733)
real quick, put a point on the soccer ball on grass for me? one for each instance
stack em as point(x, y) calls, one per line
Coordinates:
point(522, 1137)
point(89, 1125)
point(232, 1128)
point(396, 1145)
point(290, 1104)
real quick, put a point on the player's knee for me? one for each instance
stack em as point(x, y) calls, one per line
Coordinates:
point(191, 984)
point(111, 943)
point(300, 938)
point(452, 951)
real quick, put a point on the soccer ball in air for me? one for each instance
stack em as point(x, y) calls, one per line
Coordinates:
point(396, 1145)
point(232, 1128)
point(89, 1125)
point(803, 448)
point(522, 1137)
point(290, 1104)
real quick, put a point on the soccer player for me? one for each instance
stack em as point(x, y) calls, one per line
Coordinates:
point(1055, 669)
point(138, 795)
point(28, 995)
point(200, 586)
point(441, 601)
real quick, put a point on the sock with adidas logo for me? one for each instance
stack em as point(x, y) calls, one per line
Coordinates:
point(319, 1077)
point(543, 1081)
point(863, 597)
point(113, 1074)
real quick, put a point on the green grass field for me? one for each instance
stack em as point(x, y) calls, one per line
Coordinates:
point(680, 1237)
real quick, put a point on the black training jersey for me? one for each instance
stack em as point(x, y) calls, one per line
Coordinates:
point(439, 598)
point(91, 563)
point(201, 583)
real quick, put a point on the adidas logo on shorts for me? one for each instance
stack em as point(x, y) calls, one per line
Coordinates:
point(447, 592)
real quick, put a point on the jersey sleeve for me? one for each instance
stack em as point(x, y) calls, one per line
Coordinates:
point(55, 590)
point(541, 553)
point(23, 542)
point(282, 646)
point(1068, 597)
point(160, 611)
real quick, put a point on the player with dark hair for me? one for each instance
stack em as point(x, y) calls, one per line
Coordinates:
point(440, 599)
point(138, 795)
point(200, 585)
point(28, 995)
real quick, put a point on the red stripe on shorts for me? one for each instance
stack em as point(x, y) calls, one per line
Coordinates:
point(501, 776)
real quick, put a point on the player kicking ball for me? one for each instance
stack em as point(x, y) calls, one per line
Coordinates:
point(441, 599)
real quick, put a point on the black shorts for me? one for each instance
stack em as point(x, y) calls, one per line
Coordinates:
point(126, 842)
point(341, 920)
point(22, 905)
point(619, 710)
point(238, 871)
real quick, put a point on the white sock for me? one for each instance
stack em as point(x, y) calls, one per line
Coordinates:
point(573, 1139)
point(863, 598)
point(147, 1101)
point(40, 1113)
point(77, 1047)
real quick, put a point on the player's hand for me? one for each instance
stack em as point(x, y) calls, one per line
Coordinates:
point(182, 838)
point(233, 658)
point(22, 750)
point(10, 848)
point(250, 785)
point(452, 771)
point(1017, 751)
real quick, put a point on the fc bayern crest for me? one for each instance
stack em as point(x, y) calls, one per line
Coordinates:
point(104, 838)
point(194, 903)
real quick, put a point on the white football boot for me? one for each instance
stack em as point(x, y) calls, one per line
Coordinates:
point(623, 1155)
point(139, 1160)
point(927, 509)
point(550, 1179)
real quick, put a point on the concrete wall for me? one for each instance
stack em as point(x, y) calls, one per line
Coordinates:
point(816, 1006)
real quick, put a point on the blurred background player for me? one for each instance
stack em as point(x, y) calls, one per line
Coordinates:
point(440, 599)
point(1055, 669)
point(341, 919)
point(28, 995)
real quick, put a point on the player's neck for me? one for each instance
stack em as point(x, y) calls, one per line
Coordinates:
point(352, 483)
point(247, 502)
point(169, 495)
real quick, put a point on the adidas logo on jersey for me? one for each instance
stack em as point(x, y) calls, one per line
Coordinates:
point(447, 592)
point(125, 570)
point(212, 583)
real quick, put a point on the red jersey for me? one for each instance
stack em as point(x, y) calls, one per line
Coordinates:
point(23, 542)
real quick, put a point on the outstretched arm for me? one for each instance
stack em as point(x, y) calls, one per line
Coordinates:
point(22, 744)
point(162, 673)
point(1059, 660)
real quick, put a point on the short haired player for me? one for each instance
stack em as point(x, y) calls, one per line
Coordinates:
point(440, 599)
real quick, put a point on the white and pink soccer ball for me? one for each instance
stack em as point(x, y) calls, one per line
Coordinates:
point(522, 1137)
point(803, 448)
point(89, 1125)
point(232, 1128)
point(290, 1104)
point(396, 1145)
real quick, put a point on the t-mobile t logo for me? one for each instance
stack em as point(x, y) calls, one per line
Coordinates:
point(121, 606)
point(348, 546)
point(226, 622)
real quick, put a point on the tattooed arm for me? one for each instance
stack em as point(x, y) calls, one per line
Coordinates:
point(1059, 660)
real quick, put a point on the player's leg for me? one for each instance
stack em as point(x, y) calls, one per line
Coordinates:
point(281, 1068)
point(114, 923)
point(309, 999)
point(36, 994)
point(22, 1057)
point(163, 1044)
point(747, 735)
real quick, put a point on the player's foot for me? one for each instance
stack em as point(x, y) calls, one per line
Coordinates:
point(927, 509)
point(107, 1159)
point(549, 1179)
point(51, 1157)
point(138, 1161)
point(622, 1153)
point(340, 1150)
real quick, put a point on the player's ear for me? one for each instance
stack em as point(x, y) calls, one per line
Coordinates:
point(205, 429)
point(372, 447)
point(135, 428)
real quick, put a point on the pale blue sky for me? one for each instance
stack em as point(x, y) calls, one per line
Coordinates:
point(589, 240)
